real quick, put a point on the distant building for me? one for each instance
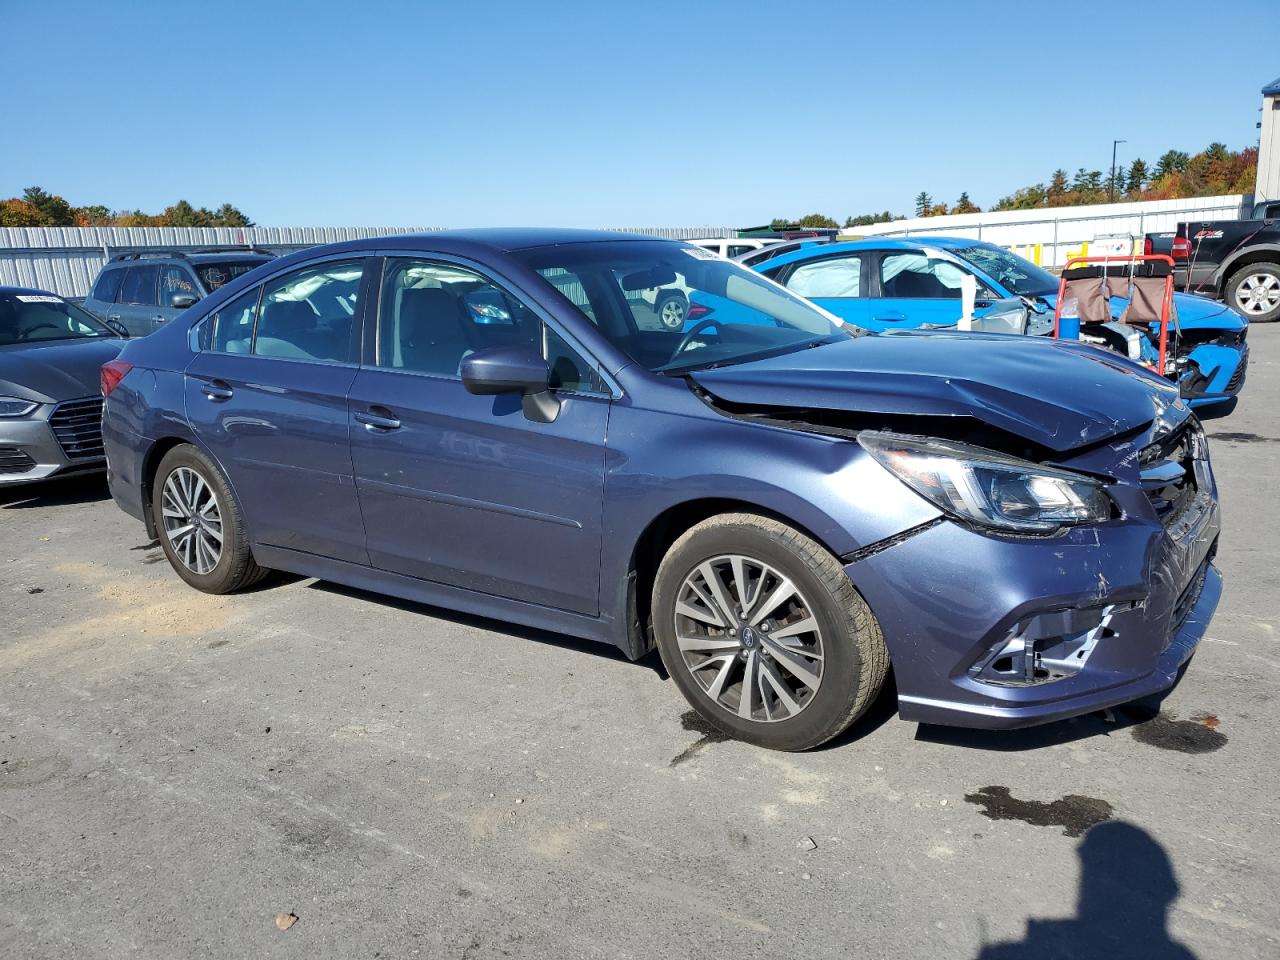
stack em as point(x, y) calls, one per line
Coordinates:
point(1269, 144)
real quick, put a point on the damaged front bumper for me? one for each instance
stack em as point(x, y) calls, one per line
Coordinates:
point(1036, 629)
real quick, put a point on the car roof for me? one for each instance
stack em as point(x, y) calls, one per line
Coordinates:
point(823, 250)
point(503, 239)
point(28, 291)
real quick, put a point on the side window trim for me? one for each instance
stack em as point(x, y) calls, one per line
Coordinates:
point(369, 357)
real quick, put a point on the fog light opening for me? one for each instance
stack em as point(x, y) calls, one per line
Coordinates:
point(1045, 648)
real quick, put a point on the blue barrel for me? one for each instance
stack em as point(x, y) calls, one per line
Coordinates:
point(1069, 328)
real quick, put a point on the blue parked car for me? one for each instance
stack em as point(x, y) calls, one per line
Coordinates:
point(783, 509)
point(883, 284)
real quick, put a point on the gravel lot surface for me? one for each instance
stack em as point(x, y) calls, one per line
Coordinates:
point(178, 771)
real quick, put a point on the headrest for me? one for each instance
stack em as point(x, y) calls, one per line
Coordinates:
point(288, 316)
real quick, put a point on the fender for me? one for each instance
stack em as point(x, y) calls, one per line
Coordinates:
point(1227, 267)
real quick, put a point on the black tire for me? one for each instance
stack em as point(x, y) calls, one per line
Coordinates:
point(235, 568)
point(673, 318)
point(1233, 294)
point(855, 658)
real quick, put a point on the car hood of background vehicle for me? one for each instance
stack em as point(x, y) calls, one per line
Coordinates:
point(1056, 393)
point(1194, 312)
point(57, 370)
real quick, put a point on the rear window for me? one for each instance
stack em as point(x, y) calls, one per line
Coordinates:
point(108, 285)
point(222, 272)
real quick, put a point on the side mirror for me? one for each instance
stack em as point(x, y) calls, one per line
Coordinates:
point(181, 301)
point(118, 327)
point(512, 370)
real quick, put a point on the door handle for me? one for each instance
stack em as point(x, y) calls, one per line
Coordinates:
point(157, 319)
point(377, 419)
point(217, 391)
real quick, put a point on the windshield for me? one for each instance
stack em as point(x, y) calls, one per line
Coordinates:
point(215, 275)
point(673, 308)
point(1020, 277)
point(36, 317)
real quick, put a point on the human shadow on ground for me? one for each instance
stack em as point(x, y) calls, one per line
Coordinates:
point(1127, 887)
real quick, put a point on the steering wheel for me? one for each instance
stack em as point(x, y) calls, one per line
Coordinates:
point(696, 329)
point(26, 334)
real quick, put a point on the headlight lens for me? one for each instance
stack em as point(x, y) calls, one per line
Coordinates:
point(989, 488)
point(16, 407)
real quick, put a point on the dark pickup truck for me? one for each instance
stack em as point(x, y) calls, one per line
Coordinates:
point(1233, 260)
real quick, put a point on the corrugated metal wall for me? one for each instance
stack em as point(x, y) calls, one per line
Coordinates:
point(67, 259)
point(1060, 231)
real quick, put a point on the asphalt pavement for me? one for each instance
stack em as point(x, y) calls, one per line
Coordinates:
point(184, 776)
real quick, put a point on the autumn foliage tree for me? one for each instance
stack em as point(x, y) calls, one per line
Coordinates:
point(39, 208)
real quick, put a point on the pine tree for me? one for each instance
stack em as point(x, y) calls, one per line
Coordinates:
point(924, 203)
point(1137, 178)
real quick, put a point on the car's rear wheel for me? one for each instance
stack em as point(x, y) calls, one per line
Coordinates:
point(200, 525)
point(764, 634)
point(1255, 292)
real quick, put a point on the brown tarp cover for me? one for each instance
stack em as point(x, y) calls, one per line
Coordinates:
point(1091, 299)
point(1146, 303)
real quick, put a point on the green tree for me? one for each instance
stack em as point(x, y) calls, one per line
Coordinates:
point(1171, 161)
point(228, 216)
point(1058, 184)
point(53, 210)
point(965, 205)
point(817, 220)
point(924, 203)
point(1137, 178)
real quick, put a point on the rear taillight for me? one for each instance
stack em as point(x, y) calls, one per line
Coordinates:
point(1181, 249)
point(697, 311)
point(111, 375)
point(1148, 248)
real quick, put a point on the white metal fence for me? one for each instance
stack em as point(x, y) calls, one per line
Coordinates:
point(1050, 235)
point(67, 259)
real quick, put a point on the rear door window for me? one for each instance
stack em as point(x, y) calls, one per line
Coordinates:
point(108, 286)
point(232, 326)
point(834, 277)
point(139, 287)
point(309, 314)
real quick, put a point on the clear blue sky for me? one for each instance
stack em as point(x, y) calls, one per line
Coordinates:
point(607, 113)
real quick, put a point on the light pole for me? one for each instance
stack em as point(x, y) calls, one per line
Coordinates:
point(1111, 192)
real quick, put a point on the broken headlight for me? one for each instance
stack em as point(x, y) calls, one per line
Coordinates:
point(988, 488)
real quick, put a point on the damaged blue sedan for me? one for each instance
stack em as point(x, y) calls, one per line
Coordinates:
point(1022, 528)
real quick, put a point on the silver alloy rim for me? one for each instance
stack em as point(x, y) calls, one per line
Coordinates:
point(749, 638)
point(192, 520)
point(1258, 293)
point(672, 313)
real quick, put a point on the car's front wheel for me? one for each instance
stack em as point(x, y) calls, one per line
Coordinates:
point(672, 310)
point(1255, 291)
point(199, 522)
point(764, 634)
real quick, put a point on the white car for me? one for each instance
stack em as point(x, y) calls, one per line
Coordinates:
point(731, 247)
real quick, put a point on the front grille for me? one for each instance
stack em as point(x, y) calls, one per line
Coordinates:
point(1237, 378)
point(78, 426)
point(1167, 471)
point(13, 460)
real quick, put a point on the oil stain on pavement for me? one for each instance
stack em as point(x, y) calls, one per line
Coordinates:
point(1075, 814)
point(1200, 734)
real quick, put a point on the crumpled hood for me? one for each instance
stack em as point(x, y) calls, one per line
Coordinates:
point(1194, 312)
point(1057, 393)
point(55, 371)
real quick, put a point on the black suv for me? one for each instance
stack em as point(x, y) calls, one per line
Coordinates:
point(143, 291)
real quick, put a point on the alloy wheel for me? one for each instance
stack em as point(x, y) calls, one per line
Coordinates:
point(1258, 293)
point(749, 638)
point(192, 520)
point(672, 313)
